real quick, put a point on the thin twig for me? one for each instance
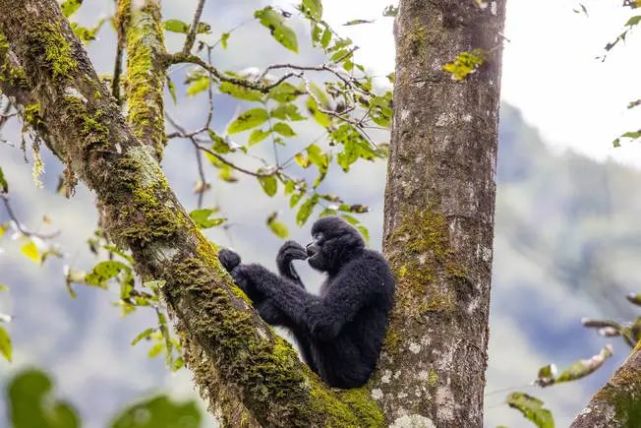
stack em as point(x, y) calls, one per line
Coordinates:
point(19, 226)
point(191, 36)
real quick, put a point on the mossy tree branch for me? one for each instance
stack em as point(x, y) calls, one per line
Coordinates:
point(618, 403)
point(140, 30)
point(249, 375)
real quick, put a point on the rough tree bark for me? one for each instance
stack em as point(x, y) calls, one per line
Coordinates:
point(249, 376)
point(439, 214)
point(618, 403)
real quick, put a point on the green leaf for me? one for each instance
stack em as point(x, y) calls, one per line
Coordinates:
point(320, 160)
point(248, 120)
point(321, 118)
point(283, 129)
point(142, 335)
point(203, 28)
point(531, 408)
point(240, 92)
point(326, 38)
point(269, 184)
point(306, 210)
point(3, 288)
point(285, 92)
point(312, 9)
point(104, 271)
point(87, 34)
point(4, 186)
point(257, 135)
point(465, 64)
point(203, 218)
point(302, 160)
point(274, 21)
point(159, 412)
point(30, 251)
point(224, 40)
point(220, 145)
point(172, 89)
point(176, 26)
point(287, 112)
point(633, 21)
point(198, 85)
point(278, 228)
point(69, 7)
point(6, 348)
point(32, 404)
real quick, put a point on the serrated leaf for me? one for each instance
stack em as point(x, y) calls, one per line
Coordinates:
point(312, 9)
point(257, 135)
point(278, 228)
point(274, 21)
point(30, 250)
point(176, 26)
point(240, 92)
point(69, 7)
point(283, 129)
point(203, 218)
point(6, 349)
point(531, 408)
point(269, 184)
point(4, 186)
point(248, 120)
point(306, 210)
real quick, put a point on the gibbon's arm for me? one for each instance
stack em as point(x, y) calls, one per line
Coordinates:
point(322, 317)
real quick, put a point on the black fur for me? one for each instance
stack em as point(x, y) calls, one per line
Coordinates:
point(340, 332)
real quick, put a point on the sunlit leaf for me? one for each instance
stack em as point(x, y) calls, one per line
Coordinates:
point(248, 120)
point(283, 129)
point(547, 375)
point(176, 26)
point(224, 40)
point(104, 271)
point(220, 145)
point(532, 409)
point(278, 228)
point(198, 85)
point(465, 64)
point(30, 250)
point(269, 184)
point(306, 210)
point(285, 92)
point(240, 92)
point(142, 335)
point(203, 218)
point(274, 21)
point(257, 135)
point(69, 7)
point(312, 9)
point(287, 112)
point(6, 348)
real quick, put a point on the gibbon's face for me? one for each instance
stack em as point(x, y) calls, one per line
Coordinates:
point(334, 241)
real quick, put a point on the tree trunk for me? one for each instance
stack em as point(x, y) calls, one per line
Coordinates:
point(439, 214)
